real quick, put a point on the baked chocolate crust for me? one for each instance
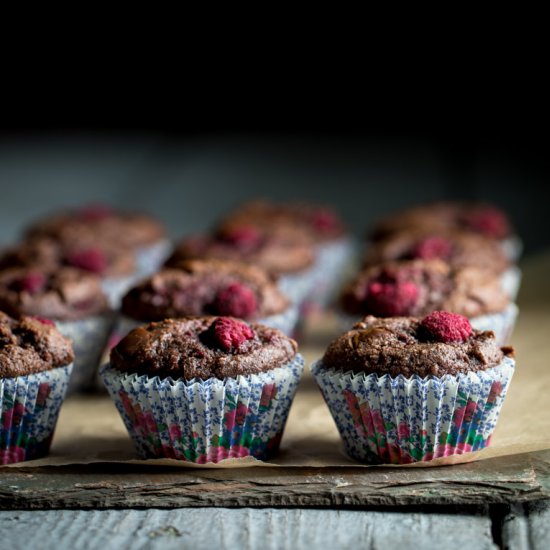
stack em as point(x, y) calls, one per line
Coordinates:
point(276, 254)
point(177, 348)
point(469, 291)
point(191, 289)
point(65, 294)
point(29, 345)
point(396, 346)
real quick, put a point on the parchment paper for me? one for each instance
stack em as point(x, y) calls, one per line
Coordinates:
point(90, 430)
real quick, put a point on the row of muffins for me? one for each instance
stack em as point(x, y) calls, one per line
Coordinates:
point(222, 287)
point(203, 389)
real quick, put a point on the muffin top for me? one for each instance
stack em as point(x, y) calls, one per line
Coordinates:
point(441, 343)
point(47, 254)
point(65, 294)
point(457, 248)
point(320, 223)
point(277, 254)
point(418, 287)
point(99, 224)
point(475, 217)
point(202, 347)
point(205, 287)
point(31, 344)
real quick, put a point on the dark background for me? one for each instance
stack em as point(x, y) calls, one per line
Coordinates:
point(365, 156)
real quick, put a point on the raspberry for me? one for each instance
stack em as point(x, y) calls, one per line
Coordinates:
point(236, 300)
point(43, 320)
point(324, 221)
point(243, 237)
point(391, 299)
point(32, 282)
point(227, 334)
point(488, 221)
point(431, 248)
point(89, 259)
point(95, 212)
point(443, 326)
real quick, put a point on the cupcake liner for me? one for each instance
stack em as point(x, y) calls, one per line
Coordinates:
point(88, 337)
point(205, 421)
point(403, 420)
point(297, 286)
point(150, 258)
point(29, 407)
point(116, 287)
point(333, 264)
point(512, 247)
point(511, 281)
point(502, 324)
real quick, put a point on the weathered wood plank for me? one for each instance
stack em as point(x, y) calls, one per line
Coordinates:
point(224, 528)
point(528, 527)
point(520, 478)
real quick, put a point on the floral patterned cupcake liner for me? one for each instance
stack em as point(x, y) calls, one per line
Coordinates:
point(205, 421)
point(403, 420)
point(29, 407)
point(512, 247)
point(333, 265)
point(89, 337)
point(116, 287)
point(502, 324)
point(297, 286)
point(150, 258)
point(511, 281)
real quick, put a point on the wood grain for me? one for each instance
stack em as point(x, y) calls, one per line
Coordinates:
point(509, 480)
point(246, 528)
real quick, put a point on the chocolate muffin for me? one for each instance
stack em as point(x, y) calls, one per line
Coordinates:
point(334, 249)
point(71, 297)
point(412, 346)
point(320, 223)
point(99, 224)
point(457, 248)
point(35, 365)
point(418, 287)
point(203, 389)
point(202, 287)
point(66, 294)
point(405, 389)
point(276, 254)
point(29, 345)
point(46, 254)
point(203, 347)
point(437, 217)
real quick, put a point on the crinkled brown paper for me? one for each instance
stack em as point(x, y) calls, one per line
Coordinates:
point(90, 430)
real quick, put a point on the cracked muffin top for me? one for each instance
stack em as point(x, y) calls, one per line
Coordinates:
point(275, 253)
point(66, 294)
point(438, 344)
point(418, 287)
point(202, 347)
point(29, 345)
point(320, 223)
point(205, 287)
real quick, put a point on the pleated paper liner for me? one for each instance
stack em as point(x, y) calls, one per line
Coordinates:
point(205, 421)
point(150, 258)
point(29, 407)
point(89, 338)
point(400, 421)
point(511, 281)
point(333, 264)
point(512, 247)
point(502, 324)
